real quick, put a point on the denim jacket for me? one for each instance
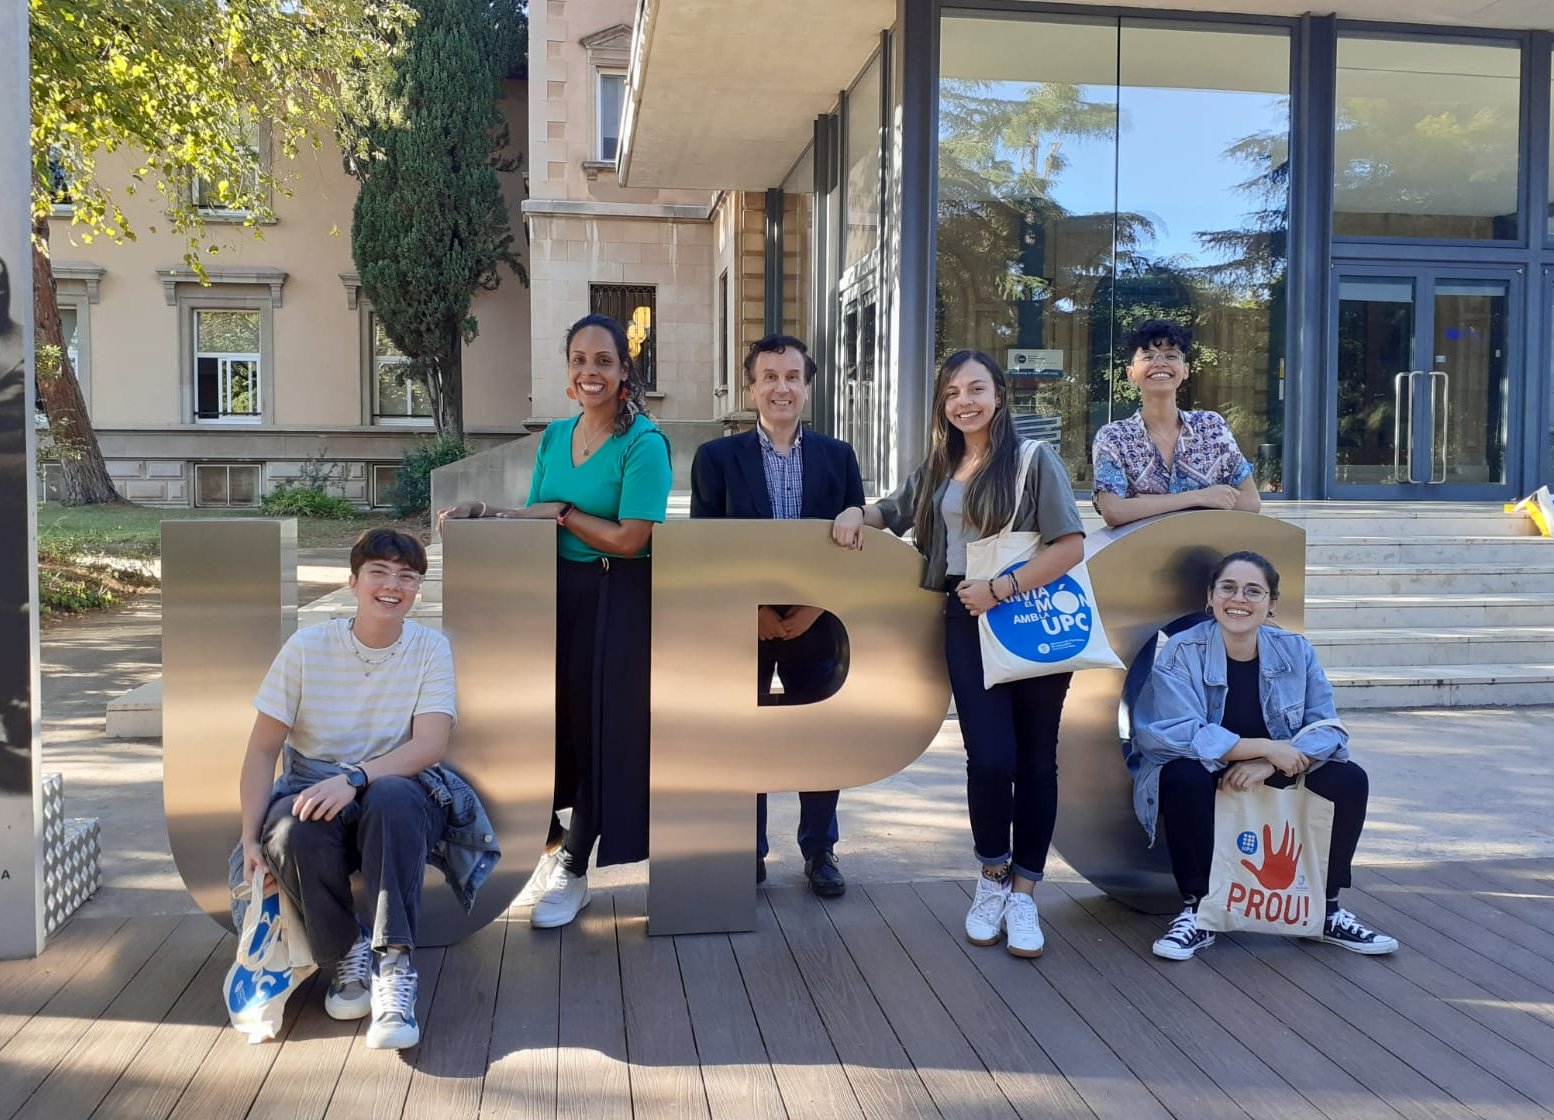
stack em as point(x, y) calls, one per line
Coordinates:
point(466, 852)
point(1178, 712)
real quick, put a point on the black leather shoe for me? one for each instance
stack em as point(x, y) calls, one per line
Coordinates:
point(760, 869)
point(824, 878)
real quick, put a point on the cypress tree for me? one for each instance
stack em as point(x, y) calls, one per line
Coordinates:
point(430, 226)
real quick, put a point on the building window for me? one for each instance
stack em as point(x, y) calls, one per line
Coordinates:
point(397, 399)
point(383, 476)
point(1426, 139)
point(226, 194)
point(611, 99)
point(60, 200)
point(632, 306)
point(226, 484)
point(227, 367)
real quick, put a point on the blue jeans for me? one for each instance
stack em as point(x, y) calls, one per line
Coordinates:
point(807, 667)
point(386, 834)
point(1011, 737)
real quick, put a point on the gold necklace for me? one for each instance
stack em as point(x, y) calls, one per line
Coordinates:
point(588, 441)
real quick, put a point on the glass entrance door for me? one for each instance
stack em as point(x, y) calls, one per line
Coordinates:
point(1420, 400)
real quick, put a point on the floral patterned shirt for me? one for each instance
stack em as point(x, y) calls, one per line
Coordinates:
point(1127, 462)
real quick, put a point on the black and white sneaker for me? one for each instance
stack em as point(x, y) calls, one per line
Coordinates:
point(1184, 938)
point(1342, 928)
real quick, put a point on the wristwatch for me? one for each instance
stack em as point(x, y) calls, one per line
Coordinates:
point(356, 776)
point(561, 514)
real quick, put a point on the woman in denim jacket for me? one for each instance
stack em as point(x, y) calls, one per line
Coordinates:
point(1233, 702)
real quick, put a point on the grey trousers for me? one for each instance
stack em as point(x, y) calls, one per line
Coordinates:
point(386, 834)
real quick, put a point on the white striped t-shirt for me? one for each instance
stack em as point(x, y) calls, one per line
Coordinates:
point(319, 688)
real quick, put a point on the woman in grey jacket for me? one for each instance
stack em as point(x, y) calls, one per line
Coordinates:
point(1233, 702)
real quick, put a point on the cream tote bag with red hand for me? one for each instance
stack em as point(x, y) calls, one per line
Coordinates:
point(1042, 630)
point(1270, 861)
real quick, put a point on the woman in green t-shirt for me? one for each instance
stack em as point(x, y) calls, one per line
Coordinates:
point(604, 477)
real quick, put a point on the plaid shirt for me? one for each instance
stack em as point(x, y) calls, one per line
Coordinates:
point(784, 474)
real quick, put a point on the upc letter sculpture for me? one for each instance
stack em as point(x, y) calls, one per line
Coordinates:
point(229, 601)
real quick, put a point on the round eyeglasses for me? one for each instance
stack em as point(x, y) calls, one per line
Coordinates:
point(1250, 592)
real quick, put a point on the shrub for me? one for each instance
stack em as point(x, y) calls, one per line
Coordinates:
point(71, 581)
point(296, 500)
point(413, 479)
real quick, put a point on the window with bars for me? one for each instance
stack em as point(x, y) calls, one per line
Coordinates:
point(634, 307)
point(226, 367)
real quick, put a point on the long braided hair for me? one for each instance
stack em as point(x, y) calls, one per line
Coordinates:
point(990, 496)
point(634, 398)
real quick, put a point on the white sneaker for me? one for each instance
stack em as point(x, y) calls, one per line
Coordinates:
point(538, 881)
point(393, 1003)
point(1343, 928)
point(1022, 926)
point(565, 894)
point(350, 992)
point(1184, 938)
point(985, 919)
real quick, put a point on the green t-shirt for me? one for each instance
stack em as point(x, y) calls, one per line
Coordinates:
point(626, 479)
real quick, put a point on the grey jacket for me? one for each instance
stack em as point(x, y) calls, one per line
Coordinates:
point(1047, 507)
point(1178, 712)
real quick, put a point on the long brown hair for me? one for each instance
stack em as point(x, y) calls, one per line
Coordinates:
point(634, 399)
point(990, 496)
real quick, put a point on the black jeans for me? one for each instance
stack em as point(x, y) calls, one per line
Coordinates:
point(1011, 737)
point(1187, 817)
point(386, 834)
point(807, 666)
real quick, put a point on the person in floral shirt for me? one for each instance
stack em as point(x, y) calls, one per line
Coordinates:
point(1163, 458)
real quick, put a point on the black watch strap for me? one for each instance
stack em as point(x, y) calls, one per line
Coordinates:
point(356, 776)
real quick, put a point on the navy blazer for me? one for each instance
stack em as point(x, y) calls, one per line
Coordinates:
point(728, 478)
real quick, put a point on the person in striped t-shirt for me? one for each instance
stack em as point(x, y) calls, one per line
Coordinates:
point(362, 708)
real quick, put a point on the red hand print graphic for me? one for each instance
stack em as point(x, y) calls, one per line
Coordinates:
point(1278, 869)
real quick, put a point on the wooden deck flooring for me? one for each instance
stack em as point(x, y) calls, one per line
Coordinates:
point(871, 1006)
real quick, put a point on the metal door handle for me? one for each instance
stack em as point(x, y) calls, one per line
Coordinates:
point(1445, 425)
point(1397, 425)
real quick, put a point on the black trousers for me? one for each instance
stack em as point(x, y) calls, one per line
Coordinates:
point(807, 667)
point(1187, 818)
point(603, 645)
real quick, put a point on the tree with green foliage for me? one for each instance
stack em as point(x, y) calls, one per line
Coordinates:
point(132, 96)
point(430, 226)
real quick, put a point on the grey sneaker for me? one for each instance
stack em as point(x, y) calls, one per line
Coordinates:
point(350, 992)
point(1184, 938)
point(1342, 928)
point(393, 1003)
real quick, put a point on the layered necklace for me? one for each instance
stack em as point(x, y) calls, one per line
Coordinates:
point(371, 663)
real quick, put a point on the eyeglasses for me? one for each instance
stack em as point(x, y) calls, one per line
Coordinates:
point(1171, 357)
point(1250, 592)
point(404, 578)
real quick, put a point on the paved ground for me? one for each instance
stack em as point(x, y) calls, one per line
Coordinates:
point(1447, 785)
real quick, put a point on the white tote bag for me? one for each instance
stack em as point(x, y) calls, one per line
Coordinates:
point(1042, 630)
point(273, 959)
point(1270, 861)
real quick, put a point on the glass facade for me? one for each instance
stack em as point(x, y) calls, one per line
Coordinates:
point(1089, 181)
point(1426, 137)
point(862, 155)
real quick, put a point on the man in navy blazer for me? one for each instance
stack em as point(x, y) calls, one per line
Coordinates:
point(780, 470)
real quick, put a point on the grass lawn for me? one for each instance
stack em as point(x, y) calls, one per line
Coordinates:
point(130, 530)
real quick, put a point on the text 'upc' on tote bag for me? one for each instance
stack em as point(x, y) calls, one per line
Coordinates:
point(1046, 630)
point(1270, 861)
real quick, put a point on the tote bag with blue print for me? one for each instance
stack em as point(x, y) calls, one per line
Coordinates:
point(273, 959)
point(1046, 630)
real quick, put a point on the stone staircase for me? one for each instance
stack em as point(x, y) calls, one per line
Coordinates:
point(1428, 605)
